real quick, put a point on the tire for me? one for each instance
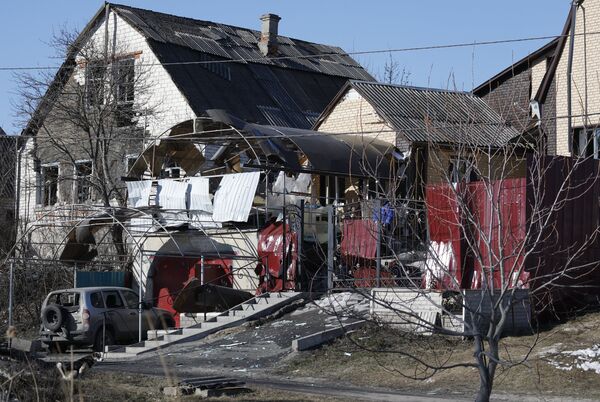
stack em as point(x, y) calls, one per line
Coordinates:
point(53, 317)
point(100, 342)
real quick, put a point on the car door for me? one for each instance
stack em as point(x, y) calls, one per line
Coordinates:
point(117, 314)
point(132, 302)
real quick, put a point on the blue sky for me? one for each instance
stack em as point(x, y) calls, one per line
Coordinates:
point(26, 26)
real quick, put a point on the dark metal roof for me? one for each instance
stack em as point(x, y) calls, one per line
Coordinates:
point(235, 43)
point(254, 87)
point(423, 114)
point(260, 89)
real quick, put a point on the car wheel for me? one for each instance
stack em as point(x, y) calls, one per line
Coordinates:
point(52, 317)
point(102, 339)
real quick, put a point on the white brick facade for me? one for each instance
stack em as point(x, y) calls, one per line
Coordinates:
point(353, 115)
point(586, 55)
point(169, 106)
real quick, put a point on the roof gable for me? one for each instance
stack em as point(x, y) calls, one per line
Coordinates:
point(423, 114)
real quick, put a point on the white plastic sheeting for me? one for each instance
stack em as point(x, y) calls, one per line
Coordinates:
point(298, 184)
point(171, 196)
point(138, 196)
point(138, 193)
point(200, 204)
point(439, 262)
point(233, 200)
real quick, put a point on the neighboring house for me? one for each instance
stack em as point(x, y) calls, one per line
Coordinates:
point(426, 125)
point(191, 66)
point(533, 94)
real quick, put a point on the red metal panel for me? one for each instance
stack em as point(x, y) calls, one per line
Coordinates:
point(359, 238)
point(270, 255)
point(172, 273)
point(500, 234)
point(445, 227)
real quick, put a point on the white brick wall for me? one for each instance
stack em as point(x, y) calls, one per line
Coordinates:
point(353, 114)
point(592, 23)
point(170, 106)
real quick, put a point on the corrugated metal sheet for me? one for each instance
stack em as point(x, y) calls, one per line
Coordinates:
point(477, 308)
point(359, 238)
point(227, 41)
point(233, 200)
point(114, 278)
point(573, 227)
point(424, 115)
point(445, 222)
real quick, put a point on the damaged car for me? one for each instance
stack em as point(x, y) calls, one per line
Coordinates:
point(97, 317)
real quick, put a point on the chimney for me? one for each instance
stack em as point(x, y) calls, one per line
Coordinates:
point(268, 36)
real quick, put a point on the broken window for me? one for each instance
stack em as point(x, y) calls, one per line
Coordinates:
point(124, 78)
point(83, 174)
point(130, 162)
point(94, 83)
point(49, 190)
point(586, 142)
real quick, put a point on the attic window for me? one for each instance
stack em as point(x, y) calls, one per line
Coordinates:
point(94, 83)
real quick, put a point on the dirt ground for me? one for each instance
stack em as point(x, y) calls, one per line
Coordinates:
point(143, 388)
point(563, 361)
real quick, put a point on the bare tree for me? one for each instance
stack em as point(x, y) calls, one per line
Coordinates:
point(492, 248)
point(86, 120)
point(393, 73)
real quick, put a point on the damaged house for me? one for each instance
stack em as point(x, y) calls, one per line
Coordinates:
point(130, 76)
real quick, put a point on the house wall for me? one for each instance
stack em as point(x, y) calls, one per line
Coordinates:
point(582, 58)
point(162, 97)
point(501, 168)
point(510, 99)
point(170, 105)
point(354, 115)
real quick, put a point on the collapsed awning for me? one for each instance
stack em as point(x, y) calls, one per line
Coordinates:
point(335, 154)
point(188, 144)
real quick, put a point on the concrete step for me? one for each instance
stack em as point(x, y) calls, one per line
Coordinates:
point(253, 308)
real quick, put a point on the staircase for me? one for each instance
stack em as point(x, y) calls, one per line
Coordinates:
point(254, 308)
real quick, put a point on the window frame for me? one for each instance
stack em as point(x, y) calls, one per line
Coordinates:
point(95, 76)
point(82, 181)
point(591, 145)
point(45, 193)
point(124, 91)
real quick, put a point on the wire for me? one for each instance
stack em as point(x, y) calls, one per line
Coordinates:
point(355, 53)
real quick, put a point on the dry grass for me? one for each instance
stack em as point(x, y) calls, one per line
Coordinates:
point(347, 360)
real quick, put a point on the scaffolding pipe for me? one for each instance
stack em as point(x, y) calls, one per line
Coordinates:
point(10, 293)
point(140, 310)
point(330, 246)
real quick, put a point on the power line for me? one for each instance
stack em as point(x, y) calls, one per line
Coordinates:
point(355, 53)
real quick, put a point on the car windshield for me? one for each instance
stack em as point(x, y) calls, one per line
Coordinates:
point(65, 299)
